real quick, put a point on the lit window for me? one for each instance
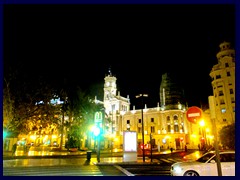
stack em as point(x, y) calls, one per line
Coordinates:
point(223, 110)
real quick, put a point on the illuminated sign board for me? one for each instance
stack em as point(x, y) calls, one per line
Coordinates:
point(130, 141)
point(98, 117)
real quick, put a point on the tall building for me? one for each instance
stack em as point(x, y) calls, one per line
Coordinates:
point(171, 93)
point(223, 84)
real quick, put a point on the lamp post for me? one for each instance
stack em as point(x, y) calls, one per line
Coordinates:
point(203, 132)
point(151, 145)
point(141, 96)
point(213, 117)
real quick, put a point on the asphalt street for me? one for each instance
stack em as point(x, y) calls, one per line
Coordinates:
point(65, 163)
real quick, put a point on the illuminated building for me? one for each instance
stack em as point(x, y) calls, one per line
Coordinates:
point(223, 84)
point(167, 124)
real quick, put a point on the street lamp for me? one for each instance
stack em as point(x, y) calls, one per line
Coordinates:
point(141, 96)
point(203, 138)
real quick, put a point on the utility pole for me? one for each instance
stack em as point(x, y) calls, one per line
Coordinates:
point(213, 117)
point(151, 145)
point(141, 96)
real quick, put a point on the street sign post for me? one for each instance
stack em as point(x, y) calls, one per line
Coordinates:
point(194, 114)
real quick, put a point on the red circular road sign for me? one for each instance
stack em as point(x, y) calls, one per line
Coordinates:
point(194, 113)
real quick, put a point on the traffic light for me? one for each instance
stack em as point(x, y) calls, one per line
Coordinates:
point(96, 131)
point(4, 134)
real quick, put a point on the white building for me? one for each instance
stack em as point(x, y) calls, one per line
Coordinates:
point(223, 84)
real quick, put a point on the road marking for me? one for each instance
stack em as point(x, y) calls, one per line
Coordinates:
point(124, 170)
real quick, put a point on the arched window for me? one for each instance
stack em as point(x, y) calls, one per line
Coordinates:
point(168, 118)
point(175, 117)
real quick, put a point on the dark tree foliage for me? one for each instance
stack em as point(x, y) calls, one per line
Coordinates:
point(227, 136)
point(81, 109)
point(23, 93)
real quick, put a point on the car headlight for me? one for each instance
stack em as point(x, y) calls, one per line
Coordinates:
point(177, 169)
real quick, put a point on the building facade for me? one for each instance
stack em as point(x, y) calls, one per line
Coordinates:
point(223, 84)
point(165, 125)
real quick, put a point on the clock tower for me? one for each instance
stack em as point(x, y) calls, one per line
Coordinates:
point(110, 87)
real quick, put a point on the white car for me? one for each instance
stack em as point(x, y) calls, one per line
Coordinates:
point(206, 165)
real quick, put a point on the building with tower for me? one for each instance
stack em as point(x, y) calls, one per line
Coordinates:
point(114, 105)
point(223, 84)
point(166, 125)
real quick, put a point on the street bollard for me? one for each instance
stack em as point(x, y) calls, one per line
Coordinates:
point(89, 155)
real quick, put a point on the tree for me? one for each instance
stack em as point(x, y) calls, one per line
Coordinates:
point(27, 105)
point(82, 109)
point(8, 109)
point(227, 136)
point(26, 102)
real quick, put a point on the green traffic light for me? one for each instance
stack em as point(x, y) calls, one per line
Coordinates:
point(96, 131)
point(4, 134)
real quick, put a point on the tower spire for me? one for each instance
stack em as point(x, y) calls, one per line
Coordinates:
point(109, 71)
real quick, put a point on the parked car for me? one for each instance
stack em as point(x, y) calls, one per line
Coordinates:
point(206, 165)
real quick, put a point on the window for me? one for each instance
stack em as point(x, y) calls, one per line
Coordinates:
point(168, 118)
point(113, 107)
point(139, 120)
point(222, 101)
point(168, 128)
point(228, 74)
point(175, 117)
point(226, 65)
point(220, 93)
point(139, 129)
point(228, 157)
point(128, 121)
point(231, 91)
point(152, 120)
point(176, 128)
point(218, 77)
point(152, 129)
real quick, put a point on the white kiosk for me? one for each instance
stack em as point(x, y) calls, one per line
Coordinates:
point(129, 146)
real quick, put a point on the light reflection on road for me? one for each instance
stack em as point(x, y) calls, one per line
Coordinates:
point(48, 162)
point(46, 153)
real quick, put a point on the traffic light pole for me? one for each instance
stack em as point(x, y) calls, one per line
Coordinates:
point(143, 149)
point(98, 148)
point(213, 117)
point(151, 145)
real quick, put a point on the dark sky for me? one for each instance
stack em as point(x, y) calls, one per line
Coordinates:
point(139, 42)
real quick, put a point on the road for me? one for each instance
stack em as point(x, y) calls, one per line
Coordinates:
point(58, 166)
point(78, 165)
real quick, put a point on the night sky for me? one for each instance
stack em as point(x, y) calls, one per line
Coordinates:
point(138, 42)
